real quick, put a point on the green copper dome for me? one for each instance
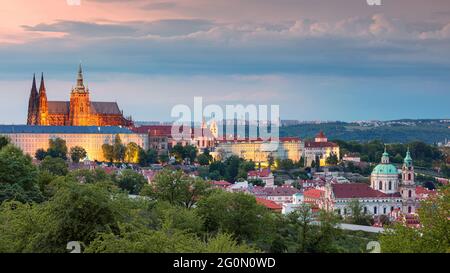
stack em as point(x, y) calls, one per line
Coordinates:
point(385, 169)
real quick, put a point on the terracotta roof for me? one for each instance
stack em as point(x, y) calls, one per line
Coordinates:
point(422, 191)
point(358, 190)
point(221, 183)
point(268, 204)
point(279, 191)
point(313, 144)
point(258, 173)
point(321, 135)
point(314, 193)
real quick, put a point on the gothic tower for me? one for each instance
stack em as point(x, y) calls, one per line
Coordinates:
point(33, 104)
point(408, 187)
point(43, 106)
point(80, 105)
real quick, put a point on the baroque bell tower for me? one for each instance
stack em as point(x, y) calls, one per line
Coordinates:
point(408, 187)
point(80, 105)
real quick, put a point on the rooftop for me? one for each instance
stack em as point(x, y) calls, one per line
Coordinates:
point(358, 190)
point(27, 129)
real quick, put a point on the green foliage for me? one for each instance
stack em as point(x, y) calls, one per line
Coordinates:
point(77, 153)
point(233, 213)
point(332, 159)
point(432, 237)
point(54, 165)
point(357, 216)
point(4, 141)
point(178, 188)
point(203, 160)
point(146, 158)
point(18, 176)
point(57, 148)
point(131, 181)
point(108, 152)
point(40, 154)
point(118, 149)
point(184, 152)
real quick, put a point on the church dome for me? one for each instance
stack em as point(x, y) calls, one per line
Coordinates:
point(385, 169)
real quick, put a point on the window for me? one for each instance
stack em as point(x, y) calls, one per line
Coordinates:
point(374, 210)
point(380, 185)
point(409, 176)
point(365, 210)
point(390, 185)
point(409, 193)
point(409, 209)
point(384, 210)
point(392, 209)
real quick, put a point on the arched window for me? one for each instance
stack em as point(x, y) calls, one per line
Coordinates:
point(409, 176)
point(380, 185)
point(409, 193)
point(374, 210)
point(365, 210)
point(409, 209)
point(390, 185)
point(384, 210)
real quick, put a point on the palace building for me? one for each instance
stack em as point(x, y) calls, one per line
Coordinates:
point(79, 111)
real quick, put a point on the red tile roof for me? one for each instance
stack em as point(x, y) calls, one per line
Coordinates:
point(279, 191)
point(240, 140)
point(314, 193)
point(321, 135)
point(358, 190)
point(268, 204)
point(313, 144)
point(258, 173)
point(221, 183)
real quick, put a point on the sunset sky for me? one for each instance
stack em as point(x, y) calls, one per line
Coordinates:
point(317, 59)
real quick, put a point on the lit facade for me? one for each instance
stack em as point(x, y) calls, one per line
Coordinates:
point(79, 111)
point(320, 148)
point(32, 138)
point(258, 151)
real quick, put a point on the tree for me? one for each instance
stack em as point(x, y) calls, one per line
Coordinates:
point(179, 152)
point(234, 213)
point(147, 157)
point(270, 160)
point(40, 154)
point(232, 168)
point(4, 141)
point(190, 152)
point(77, 153)
point(434, 234)
point(57, 148)
point(108, 152)
point(18, 176)
point(357, 216)
point(132, 152)
point(118, 149)
point(332, 159)
point(163, 158)
point(131, 181)
point(203, 160)
point(54, 165)
point(178, 188)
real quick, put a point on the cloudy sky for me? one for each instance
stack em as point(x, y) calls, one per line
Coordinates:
point(317, 59)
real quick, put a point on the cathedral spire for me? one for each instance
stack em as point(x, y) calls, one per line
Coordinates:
point(42, 86)
point(80, 80)
point(33, 103)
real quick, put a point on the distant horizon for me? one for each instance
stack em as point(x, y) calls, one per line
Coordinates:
point(319, 60)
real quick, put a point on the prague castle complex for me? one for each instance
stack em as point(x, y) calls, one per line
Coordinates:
point(79, 111)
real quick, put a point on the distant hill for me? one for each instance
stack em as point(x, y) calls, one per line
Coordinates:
point(400, 131)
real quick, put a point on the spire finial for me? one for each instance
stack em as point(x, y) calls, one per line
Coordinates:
point(80, 76)
point(42, 87)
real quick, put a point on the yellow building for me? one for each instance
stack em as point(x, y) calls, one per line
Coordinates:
point(258, 150)
point(320, 148)
point(91, 138)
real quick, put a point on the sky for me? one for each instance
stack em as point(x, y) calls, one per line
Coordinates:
point(317, 59)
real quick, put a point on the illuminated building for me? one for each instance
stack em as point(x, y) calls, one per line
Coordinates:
point(259, 151)
point(91, 138)
point(320, 149)
point(79, 111)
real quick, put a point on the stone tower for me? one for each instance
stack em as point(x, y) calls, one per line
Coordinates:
point(80, 104)
point(43, 105)
point(408, 187)
point(33, 104)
